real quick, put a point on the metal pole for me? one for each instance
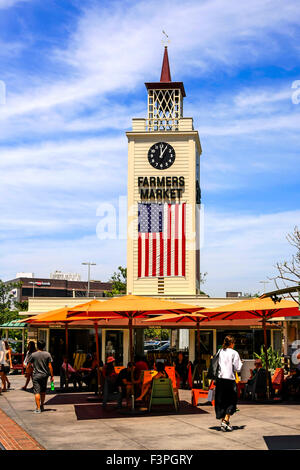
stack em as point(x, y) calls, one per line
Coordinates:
point(89, 264)
point(67, 354)
point(98, 357)
point(266, 355)
point(131, 358)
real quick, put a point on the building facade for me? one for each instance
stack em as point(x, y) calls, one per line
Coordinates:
point(164, 149)
point(44, 287)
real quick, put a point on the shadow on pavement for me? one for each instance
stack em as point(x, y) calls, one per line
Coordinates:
point(235, 428)
point(69, 399)
point(86, 412)
point(282, 442)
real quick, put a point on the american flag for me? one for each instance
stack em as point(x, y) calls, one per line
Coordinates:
point(161, 240)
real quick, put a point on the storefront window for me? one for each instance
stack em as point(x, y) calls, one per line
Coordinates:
point(246, 342)
point(206, 347)
point(277, 341)
point(114, 345)
point(81, 340)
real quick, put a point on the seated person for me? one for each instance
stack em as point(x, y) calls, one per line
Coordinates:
point(181, 369)
point(73, 375)
point(111, 388)
point(88, 378)
point(257, 366)
point(141, 364)
point(146, 388)
point(109, 367)
point(291, 385)
point(88, 362)
point(257, 385)
point(124, 380)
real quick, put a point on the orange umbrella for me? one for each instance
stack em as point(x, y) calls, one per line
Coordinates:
point(258, 308)
point(128, 306)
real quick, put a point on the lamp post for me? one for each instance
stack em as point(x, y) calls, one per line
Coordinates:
point(264, 283)
point(89, 264)
point(33, 283)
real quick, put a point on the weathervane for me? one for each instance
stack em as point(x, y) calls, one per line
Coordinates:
point(165, 41)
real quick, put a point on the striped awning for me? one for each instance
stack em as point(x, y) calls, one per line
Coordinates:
point(13, 325)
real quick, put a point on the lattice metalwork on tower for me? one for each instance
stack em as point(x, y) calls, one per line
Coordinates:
point(165, 108)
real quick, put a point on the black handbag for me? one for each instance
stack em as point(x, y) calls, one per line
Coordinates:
point(213, 369)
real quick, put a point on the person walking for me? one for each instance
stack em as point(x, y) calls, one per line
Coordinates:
point(8, 363)
point(28, 367)
point(42, 367)
point(2, 365)
point(226, 390)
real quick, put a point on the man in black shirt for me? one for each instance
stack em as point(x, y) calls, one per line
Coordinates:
point(42, 367)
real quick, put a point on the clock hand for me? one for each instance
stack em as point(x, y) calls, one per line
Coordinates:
point(161, 155)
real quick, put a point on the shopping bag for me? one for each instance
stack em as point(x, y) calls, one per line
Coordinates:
point(211, 394)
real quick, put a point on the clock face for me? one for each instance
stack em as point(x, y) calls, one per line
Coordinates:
point(161, 155)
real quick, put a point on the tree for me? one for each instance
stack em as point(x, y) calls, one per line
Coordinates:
point(202, 281)
point(119, 282)
point(8, 307)
point(250, 295)
point(156, 333)
point(289, 271)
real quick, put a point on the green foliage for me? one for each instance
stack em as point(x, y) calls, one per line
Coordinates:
point(156, 333)
point(8, 306)
point(119, 282)
point(274, 359)
point(248, 294)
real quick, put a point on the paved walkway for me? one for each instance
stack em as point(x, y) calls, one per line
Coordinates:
point(13, 437)
point(256, 426)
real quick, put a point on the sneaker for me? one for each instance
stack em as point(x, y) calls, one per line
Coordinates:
point(225, 426)
point(37, 411)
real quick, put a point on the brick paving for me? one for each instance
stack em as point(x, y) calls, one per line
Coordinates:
point(13, 437)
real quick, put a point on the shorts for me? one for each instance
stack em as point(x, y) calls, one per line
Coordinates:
point(6, 370)
point(1, 367)
point(39, 384)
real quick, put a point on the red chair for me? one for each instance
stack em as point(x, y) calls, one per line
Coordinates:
point(170, 370)
point(19, 365)
point(277, 379)
point(200, 393)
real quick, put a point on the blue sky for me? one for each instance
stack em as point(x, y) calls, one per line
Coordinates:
point(74, 74)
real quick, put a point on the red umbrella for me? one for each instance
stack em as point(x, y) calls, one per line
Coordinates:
point(264, 309)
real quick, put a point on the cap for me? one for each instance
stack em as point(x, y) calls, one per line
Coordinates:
point(110, 359)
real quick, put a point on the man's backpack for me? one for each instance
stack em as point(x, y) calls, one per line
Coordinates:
point(213, 369)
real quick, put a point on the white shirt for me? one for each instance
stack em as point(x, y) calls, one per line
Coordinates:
point(2, 353)
point(229, 363)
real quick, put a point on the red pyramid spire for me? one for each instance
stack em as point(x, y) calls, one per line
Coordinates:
point(165, 70)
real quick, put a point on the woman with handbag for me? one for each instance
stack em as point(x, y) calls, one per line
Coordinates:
point(226, 391)
point(29, 369)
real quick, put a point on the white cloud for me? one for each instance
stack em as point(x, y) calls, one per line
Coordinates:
point(241, 249)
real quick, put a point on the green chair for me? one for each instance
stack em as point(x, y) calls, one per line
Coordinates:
point(205, 380)
point(162, 393)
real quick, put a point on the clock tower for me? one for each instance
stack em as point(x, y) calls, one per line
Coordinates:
point(163, 256)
